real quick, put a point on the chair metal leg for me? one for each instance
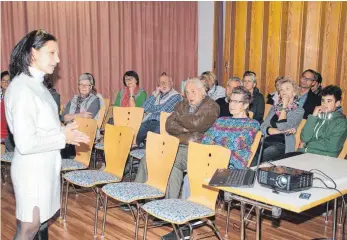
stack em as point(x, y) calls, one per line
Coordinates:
point(190, 230)
point(104, 218)
point(258, 212)
point(145, 227)
point(176, 232)
point(131, 167)
point(96, 211)
point(342, 212)
point(335, 218)
point(66, 200)
point(137, 220)
point(214, 228)
point(227, 220)
point(61, 196)
point(243, 207)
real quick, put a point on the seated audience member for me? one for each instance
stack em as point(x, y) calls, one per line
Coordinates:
point(85, 104)
point(190, 119)
point(163, 99)
point(325, 130)
point(48, 82)
point(131, 95)
point(91, 78)
point(317, 85)
point(281, 123)
point(307, 99)
point(5, 81)
point(257, 105)
point(235, 133)
point(213, 90)
point(272, 98)
point(224, 101)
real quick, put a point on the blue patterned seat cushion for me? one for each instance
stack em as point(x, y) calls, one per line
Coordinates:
point(7, 157)
point(130, 191)
point(177, 211)
point(99, 146)
point(70, 165)
point(90, 178)
point(138, 153)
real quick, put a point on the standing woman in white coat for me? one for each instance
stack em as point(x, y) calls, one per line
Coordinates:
point(32, 117)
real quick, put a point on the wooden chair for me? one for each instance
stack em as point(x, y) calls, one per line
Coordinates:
point(267, 109)
point(83, 152)
point(107, 102)
point(163, 118)
point(343, 152)
point(250, 114)
point(101, 117)
point(62, 106)
point(203, 160)
point(118, 141)
point(298, 133)
point(160, 154)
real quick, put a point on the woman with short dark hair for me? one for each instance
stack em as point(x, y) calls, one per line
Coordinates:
point(131, 95)
point(31, 117)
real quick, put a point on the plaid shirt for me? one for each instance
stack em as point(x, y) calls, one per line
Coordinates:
point(154, 111)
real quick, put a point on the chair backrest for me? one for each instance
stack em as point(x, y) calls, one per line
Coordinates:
point(298, 132)
point(61, 109)
point(101, 116)
point(250, 114)
point(343, 152)
point(203, 160)
point(107, 102)
point(128, 116)
point(254, 147)
point(117, 143)
point(108, 114)
point(3, 148)
point(163, 118)
point(267, 109)
point(161, 152)
point(84, 151)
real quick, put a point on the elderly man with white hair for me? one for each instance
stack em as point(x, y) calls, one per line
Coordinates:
point(190, 119)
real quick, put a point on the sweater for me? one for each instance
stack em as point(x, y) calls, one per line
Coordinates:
point(236, 134)
point(325, 134)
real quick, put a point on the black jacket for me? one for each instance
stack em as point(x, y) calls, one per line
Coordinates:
point(258, 105)
point(224, 107)
point(312, 101)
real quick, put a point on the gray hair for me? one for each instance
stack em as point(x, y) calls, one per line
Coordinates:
point(246, 95)
point(235, 79)
point(251, 74)
point(86, 76)
point(283, 80)
point(197, 83)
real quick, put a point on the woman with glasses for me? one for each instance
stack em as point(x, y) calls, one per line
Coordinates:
point(85, 104)
point(236, 133)
point(282, 121)
point(131, 95)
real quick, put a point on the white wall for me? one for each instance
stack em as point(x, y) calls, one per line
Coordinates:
point(205, 35)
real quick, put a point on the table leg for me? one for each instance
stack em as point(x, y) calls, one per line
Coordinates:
point(258, 211)
point(242, 216)
point(335, 219)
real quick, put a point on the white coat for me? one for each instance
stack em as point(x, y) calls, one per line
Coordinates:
point(32, 117)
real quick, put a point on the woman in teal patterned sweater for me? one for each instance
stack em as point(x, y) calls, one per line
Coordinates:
point(235, 133)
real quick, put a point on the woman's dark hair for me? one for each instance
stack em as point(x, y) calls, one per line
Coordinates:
point(48, 81)
point(332, 90)
point(4, 73)
point(131, 74)
point(21, 56)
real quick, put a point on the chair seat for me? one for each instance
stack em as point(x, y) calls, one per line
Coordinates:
point(7, 157)
point(90, 178)
point(71, 164)
point(138, 153)
point(130, 191)
point(177, 211)
point(99, 146)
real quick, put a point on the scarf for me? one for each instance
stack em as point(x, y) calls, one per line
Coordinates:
point(291, 106)
point(80, 104)
point(125, 101)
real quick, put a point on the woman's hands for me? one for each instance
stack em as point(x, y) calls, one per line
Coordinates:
point(73, 136)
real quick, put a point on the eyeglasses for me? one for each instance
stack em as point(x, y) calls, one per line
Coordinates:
point(236, 101)
point(307, 79)
point(84, 85)
point(129, 78)
point(5, 81)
